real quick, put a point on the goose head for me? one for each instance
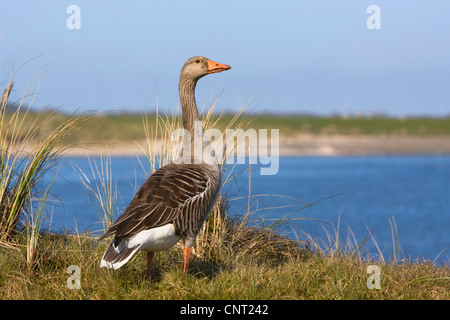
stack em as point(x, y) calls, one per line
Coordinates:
point(197, 67)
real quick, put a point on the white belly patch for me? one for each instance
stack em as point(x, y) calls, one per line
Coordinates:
point(155, 239)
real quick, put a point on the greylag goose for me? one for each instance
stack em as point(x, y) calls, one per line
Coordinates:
point(175, 200)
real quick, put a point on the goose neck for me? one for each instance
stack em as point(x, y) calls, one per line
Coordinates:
point(188, 104)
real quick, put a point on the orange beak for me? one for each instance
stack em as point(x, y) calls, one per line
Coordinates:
point(214, 67)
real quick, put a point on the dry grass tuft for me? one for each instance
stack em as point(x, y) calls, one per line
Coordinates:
point(23, 193)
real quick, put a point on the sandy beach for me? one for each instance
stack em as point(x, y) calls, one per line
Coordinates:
point(363, 145)
point(305, 145)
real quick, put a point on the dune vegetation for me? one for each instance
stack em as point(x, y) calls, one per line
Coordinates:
point(234, 258)
point(113, 127)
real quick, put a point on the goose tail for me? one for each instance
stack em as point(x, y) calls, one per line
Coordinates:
point(118, 253)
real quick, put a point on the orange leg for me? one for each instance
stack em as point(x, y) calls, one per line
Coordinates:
point(150, 256)
point(187, 256)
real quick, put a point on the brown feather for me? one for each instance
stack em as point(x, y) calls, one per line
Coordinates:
point(163, 198)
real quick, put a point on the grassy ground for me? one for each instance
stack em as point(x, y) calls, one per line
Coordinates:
point(250, 276)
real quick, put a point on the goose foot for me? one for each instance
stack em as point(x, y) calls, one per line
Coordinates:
point(187, 256)
point(150, 256)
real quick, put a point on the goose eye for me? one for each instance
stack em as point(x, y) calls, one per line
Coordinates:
point(197, 61)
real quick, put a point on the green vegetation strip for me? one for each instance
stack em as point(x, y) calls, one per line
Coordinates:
point(128, 127)
point(251, 276)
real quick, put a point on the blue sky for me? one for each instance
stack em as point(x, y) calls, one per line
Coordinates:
point(290, 56)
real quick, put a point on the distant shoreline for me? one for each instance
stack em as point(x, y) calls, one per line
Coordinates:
point(305, 145)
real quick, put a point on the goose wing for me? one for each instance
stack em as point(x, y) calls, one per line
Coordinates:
point(161, 199)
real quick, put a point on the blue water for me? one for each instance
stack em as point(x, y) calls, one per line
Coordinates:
point(359, 193)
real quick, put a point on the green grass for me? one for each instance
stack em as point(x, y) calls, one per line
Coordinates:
point(253, 276)
point(23, 195)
